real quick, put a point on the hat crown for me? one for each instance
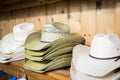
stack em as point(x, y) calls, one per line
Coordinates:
point(105, 46)
point(22, 30)
point(53, 31)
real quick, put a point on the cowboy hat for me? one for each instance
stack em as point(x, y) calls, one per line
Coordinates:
point(17, 55)
point(103, 55)
point(58, 62)
point(22, 30)
point(58, 47)
point(76, 75)
point(50, 32)
point(12, 41)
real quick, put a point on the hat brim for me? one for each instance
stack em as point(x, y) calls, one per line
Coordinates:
point(17, 55)
point(9, 45)
point(76, 75)
point(35, 53)
point(58, 62)
point(87, 65)
point(33, 42)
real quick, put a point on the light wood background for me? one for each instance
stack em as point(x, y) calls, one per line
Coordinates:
point(85, 17)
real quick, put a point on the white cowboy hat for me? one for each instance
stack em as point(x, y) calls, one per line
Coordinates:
point(76, 75)
point(12, 41)
point(17, 55)
point(21, 31)
point(99, 59)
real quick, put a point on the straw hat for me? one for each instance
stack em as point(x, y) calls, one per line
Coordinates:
point(17, 55)
point(21, 31)
point(12, 41)
point(58, 47)
point(99, 59)
point(50, 32)
point(58, 62)
point(76, 75)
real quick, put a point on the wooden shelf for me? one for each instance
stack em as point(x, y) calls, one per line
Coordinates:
point(6, 5)
point(16, 68)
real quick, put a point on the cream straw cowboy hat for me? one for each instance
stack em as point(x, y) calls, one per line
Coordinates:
point(50, 32)
point(99, 59)
point(12, 41)
point(76, 75)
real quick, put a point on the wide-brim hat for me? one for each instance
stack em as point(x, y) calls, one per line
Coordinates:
point(9, 45)
point(58, 47)
point(99, 59)
point(76, 75)
point(58, 62)
point(17, 55)
point(50, 32)
point(13, 41)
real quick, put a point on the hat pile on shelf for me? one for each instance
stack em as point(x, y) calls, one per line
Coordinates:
point(12, 44)
point(51, 49)
point(101, 61)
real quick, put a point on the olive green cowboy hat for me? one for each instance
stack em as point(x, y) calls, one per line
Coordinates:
point(58, 47)
point(58, 62)
point(50, 32)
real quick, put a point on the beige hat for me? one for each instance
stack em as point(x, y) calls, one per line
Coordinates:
point(99, 59)
point(58, 47)
point(50, 32)
point(58, 62)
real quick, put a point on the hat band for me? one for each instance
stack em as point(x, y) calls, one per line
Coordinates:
point(116, 58)
point(45, 41)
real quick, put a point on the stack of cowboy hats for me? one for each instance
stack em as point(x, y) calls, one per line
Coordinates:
point(101, 61)
point(12, 44)
point(50, 49)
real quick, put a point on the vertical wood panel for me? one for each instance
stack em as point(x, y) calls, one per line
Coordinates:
point(85, 17)
point(61, 12)
point(5, 23)
point(37, 16)
point(57, 12)
point(74, 17)
point(88, 19)
point(0, 28)
point(105, 16)
point(50, 12)
point(20, 15)
point(117, 17)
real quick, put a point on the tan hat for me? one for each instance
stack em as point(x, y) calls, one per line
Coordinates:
point(58, 62)
point(58, 47)
point(50, 32)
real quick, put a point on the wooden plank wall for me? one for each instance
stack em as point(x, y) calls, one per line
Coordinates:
point(85, 17)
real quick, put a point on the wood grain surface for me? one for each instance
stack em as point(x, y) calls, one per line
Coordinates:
point(17, 69)
point(85, 17)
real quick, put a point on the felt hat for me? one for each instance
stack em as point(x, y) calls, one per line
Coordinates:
point(12, 41)
point(76, 75)
point(99, 59)
point(50, 32)
point(58, 62)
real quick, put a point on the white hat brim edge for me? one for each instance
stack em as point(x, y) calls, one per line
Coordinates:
point(85, 64)
point(76, 75)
